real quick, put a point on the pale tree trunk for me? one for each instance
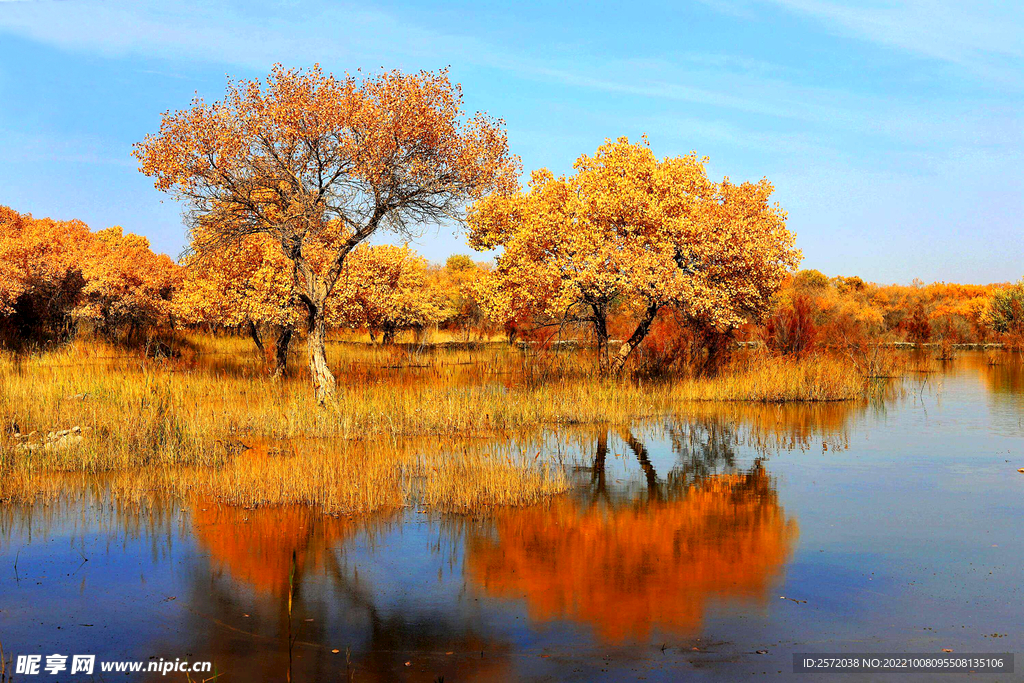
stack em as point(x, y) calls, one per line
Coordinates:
point(318, 288)
point(629, 346)
point(640, 450)
point(323, 379)
point(315, 299)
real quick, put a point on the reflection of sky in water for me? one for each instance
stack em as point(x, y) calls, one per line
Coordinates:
point(908, 519)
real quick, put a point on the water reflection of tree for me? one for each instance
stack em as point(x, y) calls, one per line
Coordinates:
point(702, 448)
point(1002, 372)
point(650, 560)
point(278, 585)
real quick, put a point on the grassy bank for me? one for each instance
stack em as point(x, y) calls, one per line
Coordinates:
point(210, 422)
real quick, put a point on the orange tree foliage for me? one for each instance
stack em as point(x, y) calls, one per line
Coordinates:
point(249, 285)
point(247, 282)
point(277, 544)
point(459, 283)
point(127, 286)
point(725, 537)
point(847, 310)
point(629, 227)
point(791, 330)
point(244, 285)
point(317, 161)
point(53, 273)
point(385, 289)
point(40, 273)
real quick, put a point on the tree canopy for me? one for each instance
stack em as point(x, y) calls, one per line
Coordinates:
point(55, 274)
point(320, 163)
point(629, 228)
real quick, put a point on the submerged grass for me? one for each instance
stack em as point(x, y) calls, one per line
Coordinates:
point(209, 422)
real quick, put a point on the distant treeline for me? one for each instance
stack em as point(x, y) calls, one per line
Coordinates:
point(59, 279)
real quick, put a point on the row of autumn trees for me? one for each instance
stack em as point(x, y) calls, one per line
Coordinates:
point(284, 181)
point(814, 311)
point(58, 278)
point(304, 167)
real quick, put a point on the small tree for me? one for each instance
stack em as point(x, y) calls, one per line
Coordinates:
point(919, 327)
point(1006, 313)
point(791, 329)
point(458, 283)
point(810, 279)
point(247, 286)
point(321, 163)
point(128, 288)
point(384, 288)
point(41, 278)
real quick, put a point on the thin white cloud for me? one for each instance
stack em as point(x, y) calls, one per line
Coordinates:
point(723, 86)
point(945, 29)
point(986, 36)
point(338, 35)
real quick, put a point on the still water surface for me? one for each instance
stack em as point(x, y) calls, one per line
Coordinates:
point(711, 545)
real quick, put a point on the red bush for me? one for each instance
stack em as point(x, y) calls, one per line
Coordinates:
point(791, 330)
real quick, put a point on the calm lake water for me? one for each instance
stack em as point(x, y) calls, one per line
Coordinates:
point(710, 546)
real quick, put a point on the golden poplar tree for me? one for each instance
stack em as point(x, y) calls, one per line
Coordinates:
point(627, 228)
point(318, 162)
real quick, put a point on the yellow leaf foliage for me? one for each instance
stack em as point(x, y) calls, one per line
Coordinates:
point(631, 227)
point(52, 271)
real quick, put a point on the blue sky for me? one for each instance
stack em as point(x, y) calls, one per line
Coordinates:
point(892, 129)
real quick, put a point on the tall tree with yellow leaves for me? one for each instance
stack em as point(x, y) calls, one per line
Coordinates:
point(629, 228)
point(314, 160)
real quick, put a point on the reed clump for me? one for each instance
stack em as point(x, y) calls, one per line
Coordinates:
point(341, 480)
point(477, 480)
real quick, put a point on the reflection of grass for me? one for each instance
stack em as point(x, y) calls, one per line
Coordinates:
point(192, 415)
point(337, 480)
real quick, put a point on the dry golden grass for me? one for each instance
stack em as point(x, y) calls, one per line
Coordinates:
point(331, 478)
point(476, 480)
point(187, 421)
point(335, 480)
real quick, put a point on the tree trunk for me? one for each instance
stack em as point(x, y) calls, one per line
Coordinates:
point(320, 373)
point(600, 321)
point(599, 461)
point(629, 346)
point(282, 342)
point(640, 450)
point(388, 336)
point(254, 332)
